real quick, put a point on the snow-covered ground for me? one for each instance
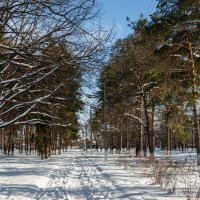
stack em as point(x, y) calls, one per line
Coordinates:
point(74, 175)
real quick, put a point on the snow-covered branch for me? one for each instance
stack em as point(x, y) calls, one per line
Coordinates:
point(136, 118)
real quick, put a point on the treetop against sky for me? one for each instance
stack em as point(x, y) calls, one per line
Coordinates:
point(116, 12)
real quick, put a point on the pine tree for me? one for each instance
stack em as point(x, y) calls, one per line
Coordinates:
point(181, 25)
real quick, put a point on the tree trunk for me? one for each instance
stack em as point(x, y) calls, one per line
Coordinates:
point(141, 152)
point(195, 101)
point(169, 152)
point(121, 137)
point(149, 133)
point(153, 124)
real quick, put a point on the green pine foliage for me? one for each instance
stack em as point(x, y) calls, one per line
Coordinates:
point(154, 63)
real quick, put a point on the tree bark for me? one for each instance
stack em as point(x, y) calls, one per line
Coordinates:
point(195, 99)
point(149, 133)
point(141, 152)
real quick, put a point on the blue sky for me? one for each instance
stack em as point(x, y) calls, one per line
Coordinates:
point(116, 12)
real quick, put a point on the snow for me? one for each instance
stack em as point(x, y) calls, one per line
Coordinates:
point(135, 117)
point(23, 64)
point(74, 175)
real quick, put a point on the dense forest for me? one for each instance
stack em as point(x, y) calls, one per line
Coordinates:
point(46, 47)
point(149, 89)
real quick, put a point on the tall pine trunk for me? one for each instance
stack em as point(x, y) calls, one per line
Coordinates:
point(195, 100)
point(148, 131)
point(153, 124)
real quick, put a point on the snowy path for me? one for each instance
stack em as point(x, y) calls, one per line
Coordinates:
point(73, 175)
point(79, 179)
